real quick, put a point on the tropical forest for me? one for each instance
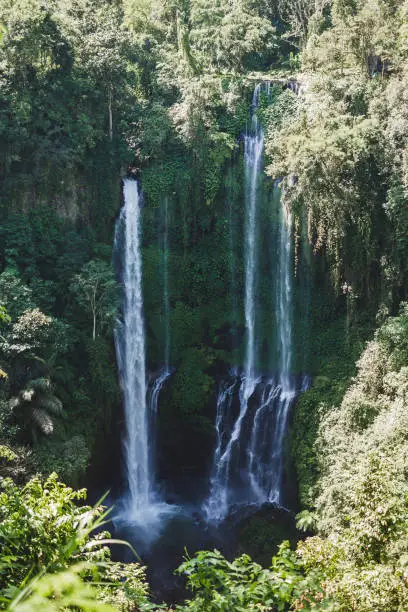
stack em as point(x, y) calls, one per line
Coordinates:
point(204, 305)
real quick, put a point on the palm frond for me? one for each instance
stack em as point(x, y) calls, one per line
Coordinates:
point(62, 591)
point(43, 421)
point(27, 395)
point(40, 384)
point(14, 403)
point(50, 403)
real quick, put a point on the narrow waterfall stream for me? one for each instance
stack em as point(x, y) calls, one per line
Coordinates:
point(228, 434)
point(159, 380)
point(233, 276)
point(252, 408)
point(266, 446)
point(166, 294)
point(253, 143)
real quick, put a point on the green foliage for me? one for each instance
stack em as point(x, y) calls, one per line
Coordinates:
point(38, 523)
point(4, 316)
point(67, 86)
point(35, 349)
point(44, 252)
point(306, 521)
point(125, 586)
point(160, 179)
point(261, 534)
point(88, 89)
point(59, 591)
point(185, 324)
point(331, 161)
point(225, 36)
point(192, 387)
point(342, 152)
point(70, 458)
point(31, 345)
point(103, 380)
point(91, 87)
point(50, 560)
point(36, 334)
point(242, 585)
point(281, 108)
point(15, 296)
point(362, 491)
point(96, 292)
point(15, 462)
point(334, 350)
point(37, 406)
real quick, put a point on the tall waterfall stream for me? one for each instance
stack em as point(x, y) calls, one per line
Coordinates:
point(130, 346)
point(142, 504)
point(249, 454)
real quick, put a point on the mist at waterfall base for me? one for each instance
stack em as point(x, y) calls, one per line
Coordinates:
point(252, 408)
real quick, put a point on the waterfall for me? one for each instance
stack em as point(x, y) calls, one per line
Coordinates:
point(253, 409)
point(253, 163)
point(266, 478)
point(166, 296)
point(227, 454)
point(157, 383)
point(217, 504)
point(130, 347)
point(232, 260)
point(141, 504)
point(153, 396)
point(285, 304)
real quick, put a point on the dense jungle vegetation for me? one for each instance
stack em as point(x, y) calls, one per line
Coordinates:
point(91, 90)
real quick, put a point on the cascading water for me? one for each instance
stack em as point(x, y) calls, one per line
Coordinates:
point(266, 447)
point(160, 379)
point(254, 140)
point(252, 407)
point(141, 504)
point(166, 295)
point(228, 443)
point(232, 239)
point(130, 347)
point(253, 163)
point(252, 411)
point(285, 305)
point(217, 504)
